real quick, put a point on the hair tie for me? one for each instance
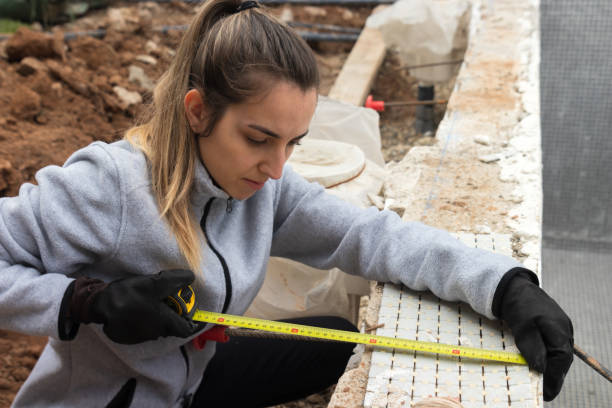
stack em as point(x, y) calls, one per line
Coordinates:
point(246, 5)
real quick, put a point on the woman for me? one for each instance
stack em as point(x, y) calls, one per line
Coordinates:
point(200, 194)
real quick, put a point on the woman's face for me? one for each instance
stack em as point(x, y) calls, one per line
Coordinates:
point(252, 141)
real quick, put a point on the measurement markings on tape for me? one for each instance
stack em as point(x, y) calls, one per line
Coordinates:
point(354, 337)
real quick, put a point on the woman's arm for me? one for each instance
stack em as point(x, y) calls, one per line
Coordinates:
point(323, 231)
point(52, 230)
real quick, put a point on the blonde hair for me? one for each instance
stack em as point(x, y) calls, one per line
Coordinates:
point(229, 57)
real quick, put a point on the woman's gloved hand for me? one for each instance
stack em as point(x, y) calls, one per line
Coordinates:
point(543, 332)
point(132, 310)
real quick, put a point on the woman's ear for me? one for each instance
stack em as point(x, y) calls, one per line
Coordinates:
point(195, 111)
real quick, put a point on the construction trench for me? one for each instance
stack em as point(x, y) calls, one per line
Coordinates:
point(477, 175)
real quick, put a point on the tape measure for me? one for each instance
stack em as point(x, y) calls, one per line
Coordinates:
point(354, 337)
point(184, 303)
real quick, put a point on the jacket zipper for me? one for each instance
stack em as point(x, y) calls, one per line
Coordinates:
point(186, 358)
point(228, 281)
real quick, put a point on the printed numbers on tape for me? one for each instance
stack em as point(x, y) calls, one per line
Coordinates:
point(353, 337)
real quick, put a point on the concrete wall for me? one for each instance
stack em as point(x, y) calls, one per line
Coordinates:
point(483, 175)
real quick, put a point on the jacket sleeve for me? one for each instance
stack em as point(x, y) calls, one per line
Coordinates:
point(52, 230)
point(323, 231)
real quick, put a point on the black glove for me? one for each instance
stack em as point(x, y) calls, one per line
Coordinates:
point(132, 310)
point(541, 329)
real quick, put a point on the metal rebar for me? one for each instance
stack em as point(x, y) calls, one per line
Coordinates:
point(594, 364)
point(415, 103)
point(433, 64)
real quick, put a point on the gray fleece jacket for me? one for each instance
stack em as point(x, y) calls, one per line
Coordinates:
point(96, 216)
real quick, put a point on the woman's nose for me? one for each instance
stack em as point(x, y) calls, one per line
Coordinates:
point(273, 165)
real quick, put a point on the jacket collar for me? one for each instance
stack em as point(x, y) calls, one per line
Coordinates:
point(204, 187)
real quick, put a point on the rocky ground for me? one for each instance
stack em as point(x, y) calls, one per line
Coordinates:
point(58, 95)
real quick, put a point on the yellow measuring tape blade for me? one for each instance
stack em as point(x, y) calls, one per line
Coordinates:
point(354, 337)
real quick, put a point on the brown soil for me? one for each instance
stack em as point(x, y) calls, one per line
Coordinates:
point(56, 97)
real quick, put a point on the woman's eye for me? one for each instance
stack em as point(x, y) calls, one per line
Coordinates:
point(295, 142)
point(255, 141)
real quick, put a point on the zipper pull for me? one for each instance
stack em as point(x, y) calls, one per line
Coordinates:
point(228, 209)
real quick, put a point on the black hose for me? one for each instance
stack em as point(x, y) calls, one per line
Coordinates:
point(308, 36)
point(327, 27)
point(298, 2)
point(327, 2)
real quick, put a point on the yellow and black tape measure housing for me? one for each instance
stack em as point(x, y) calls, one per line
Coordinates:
point(183, 302)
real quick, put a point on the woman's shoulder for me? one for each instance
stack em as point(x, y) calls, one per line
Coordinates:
point(120, 159)
point(119, 151)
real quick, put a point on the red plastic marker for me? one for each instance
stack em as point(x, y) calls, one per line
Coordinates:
point(380, 105)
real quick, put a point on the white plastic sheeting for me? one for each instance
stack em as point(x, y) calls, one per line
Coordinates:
point(425, 32)
point(344, 122)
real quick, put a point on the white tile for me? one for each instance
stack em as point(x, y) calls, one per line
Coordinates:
point(381, 357)
point(449, 338)
point(408, 334)
point(517, 379)
point(484, 241)
point(467, 238)
point(367, 400)
point(378, 384)
point(524, 403)
point(503, 244)
point(428, 334)
point(472, 393)
point(402, 375)
point(407, 324)
point(494, 378)
point(388, 315)
point(391, 291)
point(471, 372)
point(398, 399)
point(425, 364)
point(425, 386)
point(386, 331)
point(492, 342)
point(497, 395)
point(520, 393)
point(409, 304)
point(379, 371)
point(403, 360)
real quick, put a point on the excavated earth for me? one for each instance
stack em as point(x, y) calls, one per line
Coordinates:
point(58, 95)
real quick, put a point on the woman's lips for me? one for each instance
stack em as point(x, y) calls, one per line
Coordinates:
point(254, 184)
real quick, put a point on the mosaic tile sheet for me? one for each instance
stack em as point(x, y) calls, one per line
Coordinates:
point(402, 378)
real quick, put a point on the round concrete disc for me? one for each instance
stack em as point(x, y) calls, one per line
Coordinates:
point(327, 162)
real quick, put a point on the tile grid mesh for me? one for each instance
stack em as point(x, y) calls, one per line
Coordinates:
point(400, 379)
point(576, 102)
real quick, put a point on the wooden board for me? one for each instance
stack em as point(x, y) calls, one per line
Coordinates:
point(355, 79)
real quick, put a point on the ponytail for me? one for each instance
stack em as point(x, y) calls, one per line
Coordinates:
point(228, 56)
